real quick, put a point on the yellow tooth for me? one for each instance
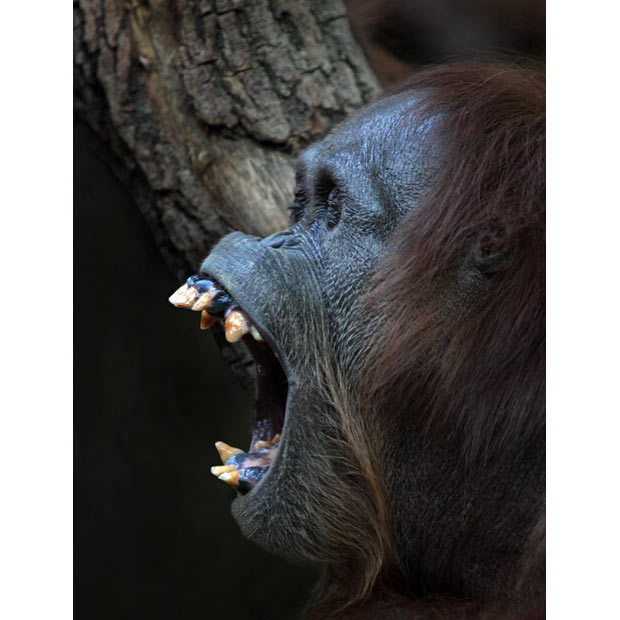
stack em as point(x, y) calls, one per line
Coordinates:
point(261, 444)
point(204, 301)
point(276, 439)
point(231, 478)
point(190, 295)
point(206, 320)
point(225, 451)
point(178, 297)
point(218, 470)
point(183, 297)
point(236, 326)
point(256, 334)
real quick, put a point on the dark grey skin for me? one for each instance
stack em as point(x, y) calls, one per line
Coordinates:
point(294, 282)
point(302, 289)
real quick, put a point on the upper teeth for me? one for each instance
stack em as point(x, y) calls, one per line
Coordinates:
point(183, 297)
point(236, 325)
point(206, 320)
point(198, 294)
point(203, 302)
point(255, 333)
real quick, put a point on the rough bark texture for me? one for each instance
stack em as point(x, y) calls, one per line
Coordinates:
point(200, 106)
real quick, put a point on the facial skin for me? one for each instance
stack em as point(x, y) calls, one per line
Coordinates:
point(352, 190)
point(301, 288)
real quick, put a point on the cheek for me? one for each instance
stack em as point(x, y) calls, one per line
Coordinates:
point(369, 223)
point(345, 278)
point(342, 260)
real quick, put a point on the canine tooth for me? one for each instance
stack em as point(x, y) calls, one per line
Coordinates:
point(206, 320)
point(256, 334)
point(231, 478)
point(218, 470)
point(276, 439)
point(236, 326)
point(261, 444)
point(203, 302)
point(225, 451)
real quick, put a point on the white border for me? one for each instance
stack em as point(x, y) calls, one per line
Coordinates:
point(583, 309)
point(36, 460)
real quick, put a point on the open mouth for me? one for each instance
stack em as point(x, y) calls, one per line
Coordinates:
point(242, 470)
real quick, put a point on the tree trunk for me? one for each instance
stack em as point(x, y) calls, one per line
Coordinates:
point(200, 106)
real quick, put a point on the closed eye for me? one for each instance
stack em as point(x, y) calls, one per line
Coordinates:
point(296, 212)
point(328, 196)
point(334, 208)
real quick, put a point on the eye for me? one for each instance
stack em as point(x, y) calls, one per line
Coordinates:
point(296, 212)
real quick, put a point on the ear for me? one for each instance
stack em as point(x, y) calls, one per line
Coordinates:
point(492, 252)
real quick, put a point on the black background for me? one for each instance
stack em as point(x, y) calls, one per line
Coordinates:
point(154, 537)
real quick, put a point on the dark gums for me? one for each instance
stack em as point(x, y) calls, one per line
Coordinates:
point(200, 283)
point(220, 304)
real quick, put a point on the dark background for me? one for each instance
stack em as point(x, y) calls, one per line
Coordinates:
point(154, 534)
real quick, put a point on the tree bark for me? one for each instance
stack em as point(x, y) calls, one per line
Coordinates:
point(200, 106)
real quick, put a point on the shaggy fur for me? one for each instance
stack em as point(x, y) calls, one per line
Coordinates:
point(459, 358)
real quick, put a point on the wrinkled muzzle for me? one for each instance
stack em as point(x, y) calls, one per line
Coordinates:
point(259, 290)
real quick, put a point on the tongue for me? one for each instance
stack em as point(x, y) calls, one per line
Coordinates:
point(261, 458)
point(244, 470)
point(249, 478)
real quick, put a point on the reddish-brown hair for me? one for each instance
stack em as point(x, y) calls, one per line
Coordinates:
point(478, 358)
point(461, 291)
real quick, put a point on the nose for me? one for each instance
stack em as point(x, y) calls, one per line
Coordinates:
point(285, 238)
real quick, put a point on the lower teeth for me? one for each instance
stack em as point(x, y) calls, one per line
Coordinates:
point(243, 470)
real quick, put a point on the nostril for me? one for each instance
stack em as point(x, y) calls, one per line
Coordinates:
point(279, 239)
point(276, 240)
